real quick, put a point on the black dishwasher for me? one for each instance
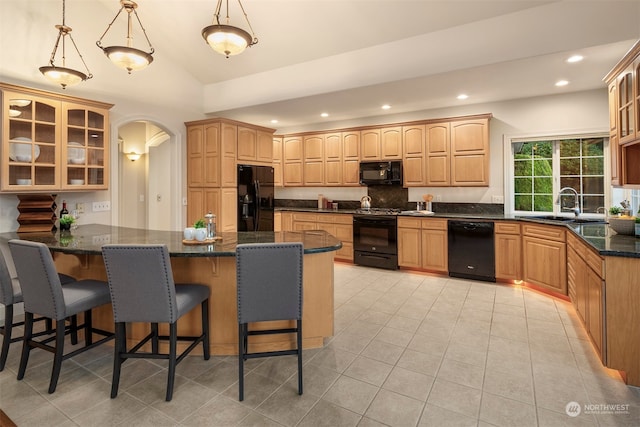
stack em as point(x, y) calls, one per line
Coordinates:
point(471, 250)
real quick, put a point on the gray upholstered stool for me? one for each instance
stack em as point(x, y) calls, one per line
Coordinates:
point(44, 294)
point(142, 290)
point(269, 280)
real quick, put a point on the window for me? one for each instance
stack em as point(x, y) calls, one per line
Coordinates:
point(555, 176)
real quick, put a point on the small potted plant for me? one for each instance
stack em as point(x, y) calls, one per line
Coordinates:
point(201, 230)
point(615, 210)
point(65, 222)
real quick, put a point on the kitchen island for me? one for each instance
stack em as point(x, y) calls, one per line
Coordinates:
point(79, 254)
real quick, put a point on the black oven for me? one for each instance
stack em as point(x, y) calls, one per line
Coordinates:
point(375, 241)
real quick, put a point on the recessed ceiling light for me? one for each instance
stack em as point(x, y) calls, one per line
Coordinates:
point(386, 106)
point(462, 96)
point(324, 115)
point(561, 83)
point(274, 121)
point(575, 58)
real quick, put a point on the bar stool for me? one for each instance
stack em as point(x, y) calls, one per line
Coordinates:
point(269, 282)
point(44, 294)
point(143, 290)
point(10, 294)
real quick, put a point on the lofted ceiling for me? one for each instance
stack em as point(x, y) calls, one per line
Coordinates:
point(343, 57)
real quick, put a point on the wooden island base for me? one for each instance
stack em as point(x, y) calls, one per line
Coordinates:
point(219, 273)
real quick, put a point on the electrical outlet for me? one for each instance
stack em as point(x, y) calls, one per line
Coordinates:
point(184, 201)
point(102, 239)
point(101, 206)
point(80, 208)
point(438, 197)
point(497, 199)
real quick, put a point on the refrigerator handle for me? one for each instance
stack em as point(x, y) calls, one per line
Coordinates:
point(256, 217)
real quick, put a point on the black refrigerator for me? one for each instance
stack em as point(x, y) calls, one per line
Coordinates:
point(255, 198)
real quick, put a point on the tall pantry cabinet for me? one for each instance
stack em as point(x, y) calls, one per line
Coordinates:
point(214, 148)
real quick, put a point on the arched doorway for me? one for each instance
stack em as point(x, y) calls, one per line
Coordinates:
point(147, 196)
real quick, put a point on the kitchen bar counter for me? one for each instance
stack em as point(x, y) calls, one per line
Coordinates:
point(79, 254)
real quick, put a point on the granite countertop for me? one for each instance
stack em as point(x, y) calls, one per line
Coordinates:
point(88, 239)
point(598, 234)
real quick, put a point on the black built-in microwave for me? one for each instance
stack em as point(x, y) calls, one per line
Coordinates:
point(381, 173)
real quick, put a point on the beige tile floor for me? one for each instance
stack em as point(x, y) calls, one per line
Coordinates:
point(409, 350)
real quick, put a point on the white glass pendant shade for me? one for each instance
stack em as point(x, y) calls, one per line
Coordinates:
point(63, 76)
point(226, 39)
point(129, 58)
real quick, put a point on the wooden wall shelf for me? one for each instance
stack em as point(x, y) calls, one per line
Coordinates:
point(37, 213)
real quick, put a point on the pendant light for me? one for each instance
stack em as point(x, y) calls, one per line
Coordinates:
point(62, 75)
point(128, 57)
point(225, 38)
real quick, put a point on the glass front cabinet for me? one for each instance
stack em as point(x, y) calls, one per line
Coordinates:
point(52, 142)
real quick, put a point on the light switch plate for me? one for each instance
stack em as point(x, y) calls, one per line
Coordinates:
point(497, 199)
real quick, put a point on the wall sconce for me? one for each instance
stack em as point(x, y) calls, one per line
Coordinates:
point(133, 156)
point(128, 57)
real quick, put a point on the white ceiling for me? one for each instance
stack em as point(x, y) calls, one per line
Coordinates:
point(346, 58)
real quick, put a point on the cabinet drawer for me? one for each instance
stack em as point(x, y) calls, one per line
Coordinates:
point(551, 232)
point(506, 227)
point(434, 224)
point(335, 218)
point(595, 262)
point(305, 217)
point(409, 222)
point(577, 245)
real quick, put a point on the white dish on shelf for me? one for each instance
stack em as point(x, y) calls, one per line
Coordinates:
point(75, 156)
point(23, 181)
point(21, 152)
point(76, 181)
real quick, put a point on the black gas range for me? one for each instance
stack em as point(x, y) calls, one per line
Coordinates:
point(375, 238)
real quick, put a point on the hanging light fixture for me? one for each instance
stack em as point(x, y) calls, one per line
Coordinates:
point(62, 75)
point(128, 57)
point(227, 39)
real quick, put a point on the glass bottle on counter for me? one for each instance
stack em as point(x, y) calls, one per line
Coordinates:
point(64, 210)
point(211, 225)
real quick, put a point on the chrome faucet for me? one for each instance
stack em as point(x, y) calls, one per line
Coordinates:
point(576, 207)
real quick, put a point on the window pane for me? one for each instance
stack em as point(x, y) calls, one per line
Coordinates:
point(573, 182)
point(542, 167)
point(592, 203)
point(593, 185)
point(543, 185)
point(523, 202)
point(570, 166)
point(523, 185)
point(593, 166)
point(570, 148)
point(543, 203)
point(522, 167)
point(593, 147)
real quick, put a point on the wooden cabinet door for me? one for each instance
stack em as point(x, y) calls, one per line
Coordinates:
point(211, 155)
point(595, 314)
point(508, 253)
point(292, 161)
point(333, 172)
point(313, 149)
point(470, 153)
point(437, 154)
point(351, 158)
point(413, 172)
point(277, 162)
point(228, 149)
point(264, 150)
point(625, 104)
point(545, 263)
point(227, 216)
point(333, 146)
point(370, 144)
point(413, 141)
point(247, 144)
point(409, 247)
point(200, 201)
point(391, 143)
point(287, 221)
point(434, 250)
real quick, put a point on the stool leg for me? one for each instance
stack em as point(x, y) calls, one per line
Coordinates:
point(57, 358)
point(119, 348)
point(299, 356)
point(205, 329)
point(26, 343)
point(74, 329)
point(6, 332)
point(173, 341)
point(88, 333)
point(154, 338)
point(241, 351)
